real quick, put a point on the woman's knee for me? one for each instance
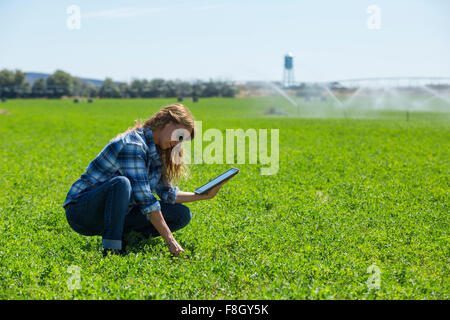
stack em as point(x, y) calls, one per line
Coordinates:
point(185, 214)
point(122, 184)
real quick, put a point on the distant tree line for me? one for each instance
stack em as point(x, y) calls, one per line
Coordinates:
point(13, 84)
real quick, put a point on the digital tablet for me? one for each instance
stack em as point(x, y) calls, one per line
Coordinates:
point(211, 184)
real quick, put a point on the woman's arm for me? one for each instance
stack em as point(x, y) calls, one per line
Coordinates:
point(157, 219)
point(183, 196)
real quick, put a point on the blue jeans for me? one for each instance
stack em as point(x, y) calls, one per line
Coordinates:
point(103, 210)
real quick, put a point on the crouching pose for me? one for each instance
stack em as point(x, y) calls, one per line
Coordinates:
point(114, 196)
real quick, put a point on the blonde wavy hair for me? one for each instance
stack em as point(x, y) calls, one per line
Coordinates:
point(172, 171)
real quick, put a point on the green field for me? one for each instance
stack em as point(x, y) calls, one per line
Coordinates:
point(349, 193)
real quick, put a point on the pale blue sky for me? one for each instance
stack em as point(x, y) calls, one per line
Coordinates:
point(227, 39)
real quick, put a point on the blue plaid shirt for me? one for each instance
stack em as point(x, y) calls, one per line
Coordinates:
point(135, 156)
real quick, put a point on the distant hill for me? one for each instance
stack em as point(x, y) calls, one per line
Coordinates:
point(33, 76)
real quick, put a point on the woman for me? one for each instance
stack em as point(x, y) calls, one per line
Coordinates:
point(114, 196)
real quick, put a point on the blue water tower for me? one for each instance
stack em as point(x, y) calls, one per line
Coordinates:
point(288, 74)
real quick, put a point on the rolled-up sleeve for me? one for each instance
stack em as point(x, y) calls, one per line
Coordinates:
point(134, 167)
point(167, 193)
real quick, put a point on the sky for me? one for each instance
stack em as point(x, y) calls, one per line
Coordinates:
point(237, 40)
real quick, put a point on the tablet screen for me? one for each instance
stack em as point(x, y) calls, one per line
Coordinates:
point(217, 180)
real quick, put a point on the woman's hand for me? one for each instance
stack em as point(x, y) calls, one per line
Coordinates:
point(174, 247)
point(213, 191)
point(183, 196)
point(157, 219)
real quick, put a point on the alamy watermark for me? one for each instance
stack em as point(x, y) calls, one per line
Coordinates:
point(234, 145)
point(374, 280)
point(374, 18)
point(74, 19)
point(74, 281)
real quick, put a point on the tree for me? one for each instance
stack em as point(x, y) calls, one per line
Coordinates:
point(124, 90)
point(25, 90)
point(6, 78)
point(77, 86)
point(109, 89)
point(135, 88)
point(22, 87)
point(38, 90)
point(59, 84)
point(183, 88)
point(228, 91)
point(211, 89)
point(170, 89)
point(89, 90)
point(83, 88)
point(157, 88)
point(12, 84)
